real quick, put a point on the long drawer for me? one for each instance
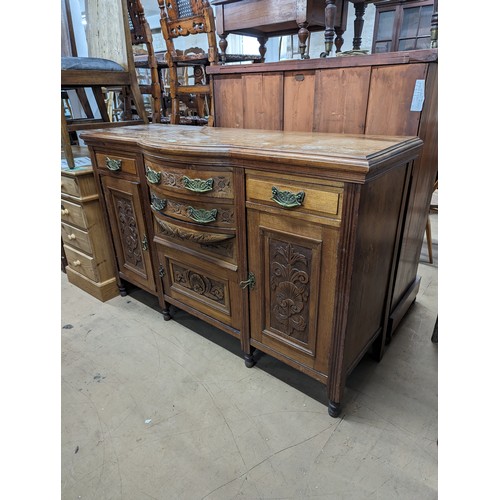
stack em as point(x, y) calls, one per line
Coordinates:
point(191, 180)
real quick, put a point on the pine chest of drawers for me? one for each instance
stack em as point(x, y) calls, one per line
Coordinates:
point(90, 261)
point(287, 241)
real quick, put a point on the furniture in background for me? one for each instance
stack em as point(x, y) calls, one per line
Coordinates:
point(141, 37)
point(181, 18)
point(387, 94)
point(109, 66)
point(266, 18)
point(402, 25)
point(287, 241)
point(87, 255)
point(433, 208)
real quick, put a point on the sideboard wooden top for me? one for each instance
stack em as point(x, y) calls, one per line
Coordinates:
point(357, 154)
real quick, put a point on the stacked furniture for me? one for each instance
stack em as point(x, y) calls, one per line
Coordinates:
point(288, 241)
point(90, 262)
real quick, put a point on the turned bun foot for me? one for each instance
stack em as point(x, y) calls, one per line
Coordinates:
point(333, 409)
point(249, 361)
point(166, 314)
point(122, 290)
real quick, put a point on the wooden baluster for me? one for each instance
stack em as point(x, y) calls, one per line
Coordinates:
point(359, 9)
point(434, 26)
point(303, 36)
point(330, 14)
point(339, 41)
point(262, 48)
point(223, 48)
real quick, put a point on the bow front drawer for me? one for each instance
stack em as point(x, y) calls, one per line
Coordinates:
point(190, 181)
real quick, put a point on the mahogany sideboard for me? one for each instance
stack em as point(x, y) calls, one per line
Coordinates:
point(387, 94)
point(288, 241)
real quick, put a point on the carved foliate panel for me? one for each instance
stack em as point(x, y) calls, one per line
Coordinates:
point(199, 284)
point(131, 240)
point(290, 277)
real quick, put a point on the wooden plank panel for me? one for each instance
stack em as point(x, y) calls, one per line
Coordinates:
point(341, 97)
point(424, 174)
point(391, 93)
point(263, 101)
point(228, 98)
point(298, 101)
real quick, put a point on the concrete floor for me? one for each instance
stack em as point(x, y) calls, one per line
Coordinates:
point(168, 410)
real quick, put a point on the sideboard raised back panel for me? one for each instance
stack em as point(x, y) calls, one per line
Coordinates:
point(370, 94)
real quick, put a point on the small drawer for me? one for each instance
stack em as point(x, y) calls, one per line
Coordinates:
point(190, 180)
point(116, 163)
point(73, 213)
point(81, 263)
point(70, 186)
point(295, 195)
point(203, 212)
point(76, 238)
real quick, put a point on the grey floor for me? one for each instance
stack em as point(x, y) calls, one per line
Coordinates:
point(168, 410)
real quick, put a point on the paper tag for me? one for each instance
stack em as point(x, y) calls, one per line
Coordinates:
point(418, 96)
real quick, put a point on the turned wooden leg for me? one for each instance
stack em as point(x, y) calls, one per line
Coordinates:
point(339, 41)
point(223, 48)
point(330, 13)
point(249, 360)
point(333, 409)
point(359, 9)
point(262, 48)
point(303, 36)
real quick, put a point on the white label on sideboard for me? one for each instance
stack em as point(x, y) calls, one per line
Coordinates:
point(418, 96)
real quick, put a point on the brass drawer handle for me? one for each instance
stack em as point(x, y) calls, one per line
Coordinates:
point(250, 282)
point(144, 242)
point(76, 263)
point(64, 211)
point(287, 199)
point(113, 165)
point(71, 236)
point(198, 185)
point(158, 203)
point(153, 176)
point(202, 216)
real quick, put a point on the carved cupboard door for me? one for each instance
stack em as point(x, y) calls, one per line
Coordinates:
point(126, 218)
point(291, 302)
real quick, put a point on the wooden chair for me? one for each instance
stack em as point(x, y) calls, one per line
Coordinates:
point(181, 18)
point(141, 36)
point(428, 232)
point(109, 66)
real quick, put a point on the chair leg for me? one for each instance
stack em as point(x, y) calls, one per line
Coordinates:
point(428, 236)
point(66, 141)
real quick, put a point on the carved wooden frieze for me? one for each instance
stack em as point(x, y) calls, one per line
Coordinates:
point(198, 283)
point(129, 234)
point(290, 268)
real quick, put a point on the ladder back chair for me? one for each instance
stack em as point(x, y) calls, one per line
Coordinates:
point(109, 66)
point(181, 18)
point(141, 36)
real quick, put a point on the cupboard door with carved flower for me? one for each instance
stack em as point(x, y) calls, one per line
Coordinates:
point(291, 302)
point(127, 223)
